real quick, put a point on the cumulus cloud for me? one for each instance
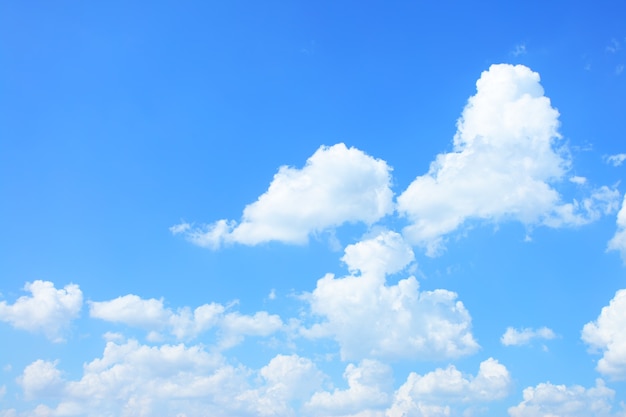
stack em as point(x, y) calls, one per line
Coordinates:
point(184, 323)
point(514, 337)
point(617, 159)
point(336, 185)
point(606, 334)
point(369, 318)
point(287, 378)
point(40, 379)
point(618, 242)
point(135, 379)
point(438, 393)
point(48, 310)
point(548, 400)
point(504, 160)
point(131, 379)
point(369, 386)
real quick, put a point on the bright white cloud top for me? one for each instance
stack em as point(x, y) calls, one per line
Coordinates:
point(337, 185)
point(507, 154)
point(399, 266)
point(370, 319)
point(48, 310)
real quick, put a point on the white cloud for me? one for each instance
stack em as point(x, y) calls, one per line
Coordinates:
point(502, 165)
point(234, 326)
point(371, 319)
point(578, 180)
point(337, 185)
point(602, 201)
point(369, 386)
point(185, 324)
point(514, 337)
point(607, 335)
point(48, 310)
point(285, 379)
point(617, 159)
point(131, 379)
point(130, 309)
point(548, 400)
point(40, 379)
point(438, 392)
point(618, 242)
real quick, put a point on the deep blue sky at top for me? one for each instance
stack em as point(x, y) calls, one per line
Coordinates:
point(117, 120)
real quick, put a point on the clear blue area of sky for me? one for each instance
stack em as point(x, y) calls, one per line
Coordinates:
point(121, 119)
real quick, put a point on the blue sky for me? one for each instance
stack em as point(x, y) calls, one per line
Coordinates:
point(312, 208)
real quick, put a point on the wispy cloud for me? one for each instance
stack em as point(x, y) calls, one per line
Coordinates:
point(616, 160)
point(514, 337)
point(519, 49)
point(614, 46)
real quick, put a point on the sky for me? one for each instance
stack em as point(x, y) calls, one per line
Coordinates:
point(297, 208)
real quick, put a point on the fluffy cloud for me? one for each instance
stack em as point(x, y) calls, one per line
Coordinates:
point(40, 379)
point(337, 185)
point(369, 386)
point(436, 393)
point(503, 162)
point(514, 337)
point(285, 379)
point(371, 319)
point(131, 379)
point(618, 242)
point(548, 400)
point(607, 335)
point(185, 324)
point(48, 310)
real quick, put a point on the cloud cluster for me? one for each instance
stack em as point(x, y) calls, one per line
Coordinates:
point(514, 337)
point(547, 400)
point(502, 167)
point(607, 335)
point(135, 379)
point(48, 310)
point(337, 185)
point(369, 318)
point(185, 324)
point(435, 393)
point(506, 159)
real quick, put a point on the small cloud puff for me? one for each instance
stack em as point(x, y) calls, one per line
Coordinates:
point(48, 310)
point(514, 337)
point(547, 399)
